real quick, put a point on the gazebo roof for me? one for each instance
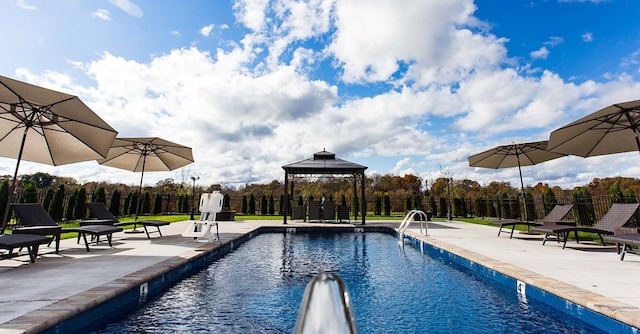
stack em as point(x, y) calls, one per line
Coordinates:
point(324, 163)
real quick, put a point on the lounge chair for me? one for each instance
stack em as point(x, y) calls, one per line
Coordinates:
point(100, 215)
point(624, 242)
point(43, 227)
point(556, 216)
point(612, 222)
point(29, 241)
point(34, 215)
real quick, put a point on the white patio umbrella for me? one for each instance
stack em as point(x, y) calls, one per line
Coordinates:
point(610, 130)
point(46, 126)
point(514, 155)
point(149, 154)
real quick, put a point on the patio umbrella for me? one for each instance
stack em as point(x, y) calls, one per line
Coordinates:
point(514, 155)
point(46, 126)
point(613, 129)
point(149, 154)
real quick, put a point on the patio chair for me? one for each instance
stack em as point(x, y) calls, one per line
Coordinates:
point(556, 216)
point(35, 216)
point(100, 215)
point(29, 241)
point(612, 223)
point(329, 211)
point(314, 211)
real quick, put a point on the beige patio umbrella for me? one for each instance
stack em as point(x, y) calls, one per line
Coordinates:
point(514, 155)
point(46, 126)
point(149, 154)
point(613, 129)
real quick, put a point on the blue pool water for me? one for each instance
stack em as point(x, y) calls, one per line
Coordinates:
point(258, 288)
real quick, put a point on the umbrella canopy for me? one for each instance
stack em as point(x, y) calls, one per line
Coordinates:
point(150, 154)
point(46, 126)
point(514, 155)
point(613, 129)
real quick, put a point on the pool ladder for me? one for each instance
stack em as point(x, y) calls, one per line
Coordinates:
point(408, 218)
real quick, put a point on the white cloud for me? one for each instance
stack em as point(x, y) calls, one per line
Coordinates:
point(128, 7)
point(206, 30)
point(254, 106)
point(102, 14)
point(541, 53)
point(587, 37)
point(24, 5)
point(554, 41)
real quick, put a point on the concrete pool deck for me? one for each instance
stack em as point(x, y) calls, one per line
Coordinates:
point(37, 296)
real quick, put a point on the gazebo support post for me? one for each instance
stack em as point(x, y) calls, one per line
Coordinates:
point(364, 202)
point(285, 205)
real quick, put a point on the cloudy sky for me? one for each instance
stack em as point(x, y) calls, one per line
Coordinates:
point(408, 86)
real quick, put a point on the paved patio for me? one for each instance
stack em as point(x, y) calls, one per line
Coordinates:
point(36, 296)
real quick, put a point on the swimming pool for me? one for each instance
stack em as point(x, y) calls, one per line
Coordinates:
point(259, 287)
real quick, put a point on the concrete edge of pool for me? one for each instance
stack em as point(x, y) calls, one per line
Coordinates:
point(74, 311)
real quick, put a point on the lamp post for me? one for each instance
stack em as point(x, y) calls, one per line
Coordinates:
point(449, 177)
point(193, 193)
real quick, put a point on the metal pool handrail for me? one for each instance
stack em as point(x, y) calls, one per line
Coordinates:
point(408, 218)
point(326, 307)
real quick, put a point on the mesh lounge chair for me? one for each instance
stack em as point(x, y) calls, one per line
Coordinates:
point(612, 222)
point(43, 227)
point(624, 242)
point(34, 215)
point(557, 215)
point(101, 215)
point(29, 241)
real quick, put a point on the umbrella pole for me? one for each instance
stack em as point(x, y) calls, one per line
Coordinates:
point(524, 200)
point(144, 159)
point(7, 208)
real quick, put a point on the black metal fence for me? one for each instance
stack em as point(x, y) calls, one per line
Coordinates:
point(586, 211)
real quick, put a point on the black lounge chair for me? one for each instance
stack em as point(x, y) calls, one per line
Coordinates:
point(612, 223)
point(100, 215)
point(624, 242)
point(29, 241)
point(44, 227)
point(34, 215)
point(556, 216)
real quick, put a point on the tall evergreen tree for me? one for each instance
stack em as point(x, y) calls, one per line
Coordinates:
point(56, 209)
point(4, 197)
point(30, 193)
point(71, 205)
point(99, 195)
point(114, 204)
point(146, 203)
point(271, 208)
point(80, 211)
point(157, 204)
point(244, 207)
point(387, 205)
point(252, 204)
point(263, 205)
point(48, 198)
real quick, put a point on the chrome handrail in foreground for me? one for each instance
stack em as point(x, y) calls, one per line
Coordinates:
point(326, 307)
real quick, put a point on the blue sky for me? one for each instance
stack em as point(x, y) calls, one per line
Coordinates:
point(399, 86)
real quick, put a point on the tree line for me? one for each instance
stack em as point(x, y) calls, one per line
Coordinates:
point(385, 194)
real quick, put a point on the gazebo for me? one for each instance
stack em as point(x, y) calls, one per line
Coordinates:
point(325, 163)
